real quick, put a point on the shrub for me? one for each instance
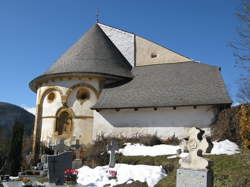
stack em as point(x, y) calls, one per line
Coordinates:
point(173, 140)
point(233, 124)
point(15, 153)
point(245, 125)
point(227, 125)
point(96, 154)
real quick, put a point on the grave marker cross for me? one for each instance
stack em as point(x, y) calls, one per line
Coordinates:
point(77, 147)
point(59, 148)
point(112, 147)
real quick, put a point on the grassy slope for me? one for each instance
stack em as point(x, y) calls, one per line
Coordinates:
point(229, 171)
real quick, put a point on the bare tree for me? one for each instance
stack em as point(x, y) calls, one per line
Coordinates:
point(244, 91)
point(242, 51)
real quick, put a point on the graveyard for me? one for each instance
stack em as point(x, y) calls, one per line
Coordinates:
point(141, 161)
point(144, 160)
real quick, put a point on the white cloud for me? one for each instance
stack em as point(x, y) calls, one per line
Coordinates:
point(236, 104)
point(32, 110)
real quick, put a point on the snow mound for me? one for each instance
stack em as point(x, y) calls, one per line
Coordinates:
point(223, 147)
point(142, 150)
point(97, 177)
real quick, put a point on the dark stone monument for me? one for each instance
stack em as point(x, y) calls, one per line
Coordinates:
point(57, 164)
point(112, 147)
point(44, 161)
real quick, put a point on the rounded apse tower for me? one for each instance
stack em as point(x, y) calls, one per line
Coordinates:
point(72, 85)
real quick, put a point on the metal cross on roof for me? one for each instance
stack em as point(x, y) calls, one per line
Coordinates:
point(97, 15)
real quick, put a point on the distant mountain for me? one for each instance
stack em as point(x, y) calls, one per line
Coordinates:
point(10, 113)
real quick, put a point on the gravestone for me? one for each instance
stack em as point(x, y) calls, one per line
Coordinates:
point(44, 161)
point(77, 162)
point(195, 170)
point(28, 158)
point(112, 147)
point(57, 164)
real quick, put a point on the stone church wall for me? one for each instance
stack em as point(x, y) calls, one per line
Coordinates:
point(164, 122)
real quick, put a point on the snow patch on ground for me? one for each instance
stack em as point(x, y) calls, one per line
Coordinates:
point(142, 150)
point(97, 177)
point(224, 147)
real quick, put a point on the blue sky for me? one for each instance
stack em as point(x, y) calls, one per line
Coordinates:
point(34, 33)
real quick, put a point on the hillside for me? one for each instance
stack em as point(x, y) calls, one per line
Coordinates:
point(10, 113)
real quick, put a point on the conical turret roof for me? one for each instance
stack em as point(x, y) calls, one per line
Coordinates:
point(94, 53)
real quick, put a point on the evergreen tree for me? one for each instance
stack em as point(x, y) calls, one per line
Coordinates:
point(15, 153)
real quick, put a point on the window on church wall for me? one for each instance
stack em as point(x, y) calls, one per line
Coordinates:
point(63, 123)
point(51, 97)
point(82, 95)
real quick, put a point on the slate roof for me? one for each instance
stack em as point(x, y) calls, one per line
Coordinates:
point(163, 85)
point(94, 53)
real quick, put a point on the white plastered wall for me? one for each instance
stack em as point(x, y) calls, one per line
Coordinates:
point(83, 121)
point(146, 48)
point(165, 122)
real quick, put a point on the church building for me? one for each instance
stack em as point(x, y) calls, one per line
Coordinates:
point(115, 83)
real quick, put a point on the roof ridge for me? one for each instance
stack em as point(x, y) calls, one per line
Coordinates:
point(115, 28)
point(147, 40)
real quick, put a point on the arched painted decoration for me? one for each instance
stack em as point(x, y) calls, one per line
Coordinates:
point(64, 122)
point(48, 90)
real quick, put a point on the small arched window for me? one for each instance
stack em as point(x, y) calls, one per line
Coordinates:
point(63, 123)
point(51, 97)
point(82, 95)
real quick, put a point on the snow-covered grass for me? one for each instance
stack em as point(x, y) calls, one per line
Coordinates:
point(125, 174)
point(223, 147)
point(152, 155)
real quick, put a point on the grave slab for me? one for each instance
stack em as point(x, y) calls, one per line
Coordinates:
point(194, 178)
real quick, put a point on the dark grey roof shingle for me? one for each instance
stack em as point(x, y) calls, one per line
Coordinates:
point(176, 84)
point(94, 53)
